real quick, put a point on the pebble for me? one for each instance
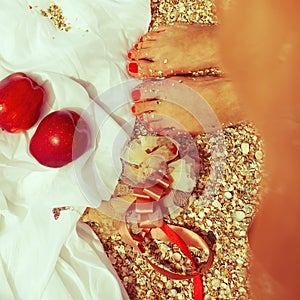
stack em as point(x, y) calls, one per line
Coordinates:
point(258, 155)
point(240, 233)
point(169, 284)
point(248, 209)
point(209, 223)
point(245, 148)
point(163, 248)
point(227, 195)
point(216, 204)
point(177, 256)
point(239, 215)
point(215, 283)
point(234, 178)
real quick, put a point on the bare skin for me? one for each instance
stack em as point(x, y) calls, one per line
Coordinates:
point(195, 105)
point(160, 53)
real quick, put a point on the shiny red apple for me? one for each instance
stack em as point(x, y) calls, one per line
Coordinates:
point(21, 102)
point(61, 137)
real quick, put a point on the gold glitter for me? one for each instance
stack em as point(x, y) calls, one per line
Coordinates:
point(55, 14)
point(222, 221)
point(188, 11)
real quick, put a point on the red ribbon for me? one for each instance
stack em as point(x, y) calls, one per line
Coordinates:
point(198, 284)
point(150, 220)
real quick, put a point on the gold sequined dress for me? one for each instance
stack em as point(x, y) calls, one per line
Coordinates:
point(226, 217)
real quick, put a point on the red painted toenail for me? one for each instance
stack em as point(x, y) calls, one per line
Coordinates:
point(136, 95)
point(133, 109)
point(141, 118)
point(129, 55)
point(133, 68)
point(141, 39)
point(148, 127)
point(136, 46)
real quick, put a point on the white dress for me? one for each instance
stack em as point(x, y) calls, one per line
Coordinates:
point(40, 257)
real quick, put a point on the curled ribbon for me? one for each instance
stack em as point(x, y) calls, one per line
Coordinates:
point(155, 167)
point(144, 219)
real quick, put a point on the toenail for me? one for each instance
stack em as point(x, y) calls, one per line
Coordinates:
point(133, 109)
point(129, 55)
point(133, 68)
point(141, 118)
point(136, 46)
point(148, 127)
point(141, 39)
point(135, 95)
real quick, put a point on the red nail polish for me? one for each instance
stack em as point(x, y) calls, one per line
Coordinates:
point(148, 127)
point(136, 46)
point(133, 67)
point(141, 39)
point(141, 118)
point(133, 109)
point(136, 95)
point(129, 55)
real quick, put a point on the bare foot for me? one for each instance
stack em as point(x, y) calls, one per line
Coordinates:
point(174, 49)
point(195, 105)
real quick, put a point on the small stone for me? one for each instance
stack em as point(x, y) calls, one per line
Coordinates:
point(160, 285)
point(245, 148)
point(239, 215)
point(177, 256)
point(234, 178)
point(209, 223)
point(231, 188)
point(169, 284)
point(248, 209)
point(240, 233)
point(165, 61)
point(224, 285)
point(180, 296)
point(227, 195)
point(216, 204)
point(163, 248)
point(201, 214)
point(215, 283)
point(258, 155)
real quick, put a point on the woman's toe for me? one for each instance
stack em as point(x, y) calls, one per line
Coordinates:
point(159, 28)
point(144, 69)
point(149, 36)
point(142, 107)
point(143, 45)
point(140, 54)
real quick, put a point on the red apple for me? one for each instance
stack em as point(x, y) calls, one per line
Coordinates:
point(61, 137)
point(21, 102)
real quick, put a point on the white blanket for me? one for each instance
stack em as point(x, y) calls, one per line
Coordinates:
point(44, 258)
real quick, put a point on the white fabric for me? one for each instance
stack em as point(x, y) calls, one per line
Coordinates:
point(43, 258)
